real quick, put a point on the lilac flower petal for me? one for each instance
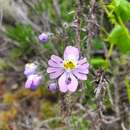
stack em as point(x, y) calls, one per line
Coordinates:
point(62, 83)
point(79, 75)
point(33, 81)
point(71, 53)
point(72, 87)
point(83, 71)
point(52, 70)
point(56, 74)
point(37, 80)
point(28, 72)
point(83, 66)
point(82, 61)
point(53, 64)
point(30, 69)
point(28, 83)
point(57, 59)
point(64, 86)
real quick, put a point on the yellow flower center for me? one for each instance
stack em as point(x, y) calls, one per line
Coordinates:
point(29, 65)
point(70, 64)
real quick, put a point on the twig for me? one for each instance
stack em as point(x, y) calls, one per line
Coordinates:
point(78, 13)
point(56, 6)
point(91, 25)
point(109, 94)
point(111, 121)
point(44, 122)
point(1, 16)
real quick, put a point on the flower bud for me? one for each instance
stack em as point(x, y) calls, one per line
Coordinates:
point(52, 87)
point(43, 37)
point(30, 69)
point(33, 81)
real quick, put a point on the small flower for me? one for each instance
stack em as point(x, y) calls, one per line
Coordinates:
point(43, 37)
point(69, 70)
point(52, 87)
point(30, 69)
point(33, 81)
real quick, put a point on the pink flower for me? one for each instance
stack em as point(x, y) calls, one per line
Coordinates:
point(69, 70)
point(33, 81)
point(30, 69)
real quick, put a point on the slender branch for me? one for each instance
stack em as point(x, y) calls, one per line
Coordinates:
point(78, 14)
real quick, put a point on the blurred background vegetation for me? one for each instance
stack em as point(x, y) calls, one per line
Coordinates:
point(103, 103)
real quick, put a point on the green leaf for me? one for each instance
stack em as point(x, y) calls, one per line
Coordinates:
point(120, 36)
point(122, 9)
point(98, 62)
point(98, 43)
point(118, 2)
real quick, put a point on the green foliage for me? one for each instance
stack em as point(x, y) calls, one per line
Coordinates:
point(119, 13)
point(120, 36)
point(48, 6)
point(79, 123)
point(23, 34)
point(15, 53)
point(24, 37)
point(44, 6)
point(119, 8)
point(98, 43)
point(98, 62)
point(89, 91)
point(67, 7)
point(49, 46)
point(122, 9)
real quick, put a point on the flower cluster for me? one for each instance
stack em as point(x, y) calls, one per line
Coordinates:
point(33, 79)
point(68, 70)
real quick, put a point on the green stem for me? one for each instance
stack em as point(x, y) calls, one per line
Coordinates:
point(110, 50)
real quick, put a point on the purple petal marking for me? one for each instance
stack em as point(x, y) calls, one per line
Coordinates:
point(64, 86)
point(82, 71)
point(56, 74)
point(71, 53)
point(72, 87)
point(53, 64)
point(79, 75)
point(82, 61)
point(83, 66)
point(68, 80)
